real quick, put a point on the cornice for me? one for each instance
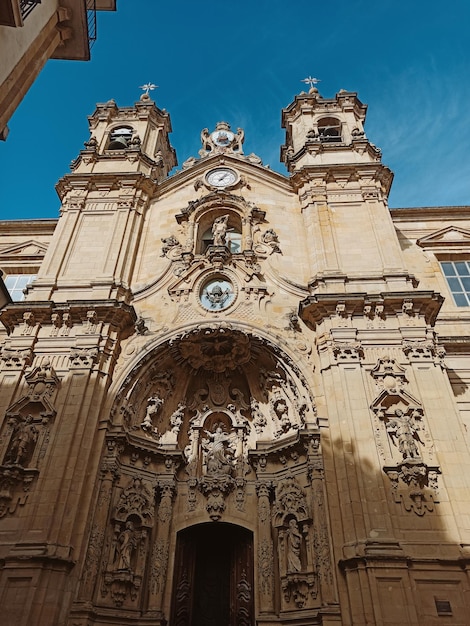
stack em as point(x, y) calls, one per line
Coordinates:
point(113, 312)
point(114, 180)
point(307, 173)
point(314, 309)
point(430, 213)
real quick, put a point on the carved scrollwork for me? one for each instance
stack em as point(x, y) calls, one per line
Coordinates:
point(414, 485)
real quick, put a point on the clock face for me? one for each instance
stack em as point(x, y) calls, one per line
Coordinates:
point(221, 177)
point(217, 294)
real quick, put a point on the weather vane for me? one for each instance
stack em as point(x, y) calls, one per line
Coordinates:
point(310, 81)
point(148, 87)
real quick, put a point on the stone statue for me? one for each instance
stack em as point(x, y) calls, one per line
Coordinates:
point(404, 434)
point(217, 451)
point(177, 418)
point(24, 437)
point(294, 542)
point(219, 230)
point(126, 544)
point(154, 403)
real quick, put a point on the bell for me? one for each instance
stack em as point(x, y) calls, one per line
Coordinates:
point(118, 143)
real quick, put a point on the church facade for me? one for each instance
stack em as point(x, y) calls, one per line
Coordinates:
point(233, 397)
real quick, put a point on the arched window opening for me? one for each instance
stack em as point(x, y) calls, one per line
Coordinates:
point(232, 234)
point(119, 138)
point(329, 130)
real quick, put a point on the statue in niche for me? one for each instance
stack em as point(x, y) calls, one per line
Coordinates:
point(219, 230)
point(24, 437)
point(154, 404)
point(259, 420)
point(282, 413)
point(126, 544)
point(177, 418)
point(294, 542)
point(404, 433)
point(218, 452)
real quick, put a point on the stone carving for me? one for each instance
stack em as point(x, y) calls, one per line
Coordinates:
point(423, 350)
point(286, 408)
point(176, 421)
point(347, 351)
point(213, 349)
point(15, 482)
point(221, 140)
point(29, 323)
point(154, 404)
point(258, 418)
point(83, 357)
point(266, 567)
point(170, 245)
point(15, 359)
point(414, 485)
point(126, 552)
point(402, 416)
point(297, 562)
point(218, 451)
point(218, 465)
point(219, 230)
point(294, 541)
point(140, 326)
point(126, 545)
point(265, 243)
point(403, 430)
point(23, 440)
point(389, 375)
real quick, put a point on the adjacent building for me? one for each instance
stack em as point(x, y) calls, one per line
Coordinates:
point(230, 396)
point(33, 31)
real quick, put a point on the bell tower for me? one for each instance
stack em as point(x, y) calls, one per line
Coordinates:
point(343, 189)
point(105, 199)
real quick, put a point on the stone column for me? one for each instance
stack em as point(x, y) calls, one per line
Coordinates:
point(321, 532)
point(109, 476)
point(161, 547)
point(265, 549)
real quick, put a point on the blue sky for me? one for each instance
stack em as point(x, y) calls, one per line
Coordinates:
point(242, 61)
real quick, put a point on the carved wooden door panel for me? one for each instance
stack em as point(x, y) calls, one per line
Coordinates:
point(213, 584)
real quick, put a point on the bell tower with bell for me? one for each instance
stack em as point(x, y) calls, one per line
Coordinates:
point(111, 182)
point(343, 189)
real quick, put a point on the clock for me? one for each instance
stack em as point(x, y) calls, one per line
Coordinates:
point(221, 177)
point(217, 294)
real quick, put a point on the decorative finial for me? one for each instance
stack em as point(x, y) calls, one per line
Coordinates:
point(148, 87)
point(311, 82)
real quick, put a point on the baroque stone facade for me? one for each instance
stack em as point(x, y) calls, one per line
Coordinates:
point(231, 396)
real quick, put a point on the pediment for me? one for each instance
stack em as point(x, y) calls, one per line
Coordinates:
point(25, 249)
point(247, 167)
point(450, 237)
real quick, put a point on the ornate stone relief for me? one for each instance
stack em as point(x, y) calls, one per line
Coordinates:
point(402, 438)
point(286, 407)
point(292, 519)
point(126, 548)
point(24, 437)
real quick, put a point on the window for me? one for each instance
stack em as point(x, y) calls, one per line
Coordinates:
point(457, 274)
point(329, 130)
point(16, 284)
point(119, 138)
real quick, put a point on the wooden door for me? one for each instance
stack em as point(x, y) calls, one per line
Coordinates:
point(213, 582)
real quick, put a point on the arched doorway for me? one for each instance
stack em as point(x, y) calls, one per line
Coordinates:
point(213, 580)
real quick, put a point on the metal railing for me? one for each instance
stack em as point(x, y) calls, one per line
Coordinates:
point(26, 6)
point(91, 21)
